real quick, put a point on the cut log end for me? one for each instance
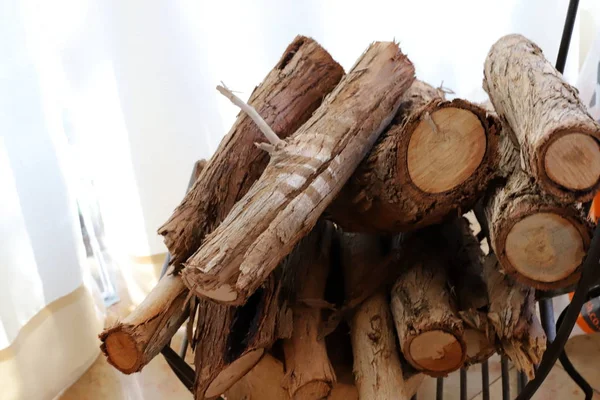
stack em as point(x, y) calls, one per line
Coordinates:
point(122, 352)
point(445, 149)
point(233, 373)
point(436, 351)
point(545, 247)
point(479, 348)
point(573, 161)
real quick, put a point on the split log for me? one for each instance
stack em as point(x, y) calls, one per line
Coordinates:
point(538, 240)
point(434, 160)
point(229, 341)
point(286, 99)
point(377, 367)
point(466, 276)
point(557, 137)
point(302, 178)
point(263, 382)
point(429, 331)
point(133, 342)
point(512, 314)
point(308, 372)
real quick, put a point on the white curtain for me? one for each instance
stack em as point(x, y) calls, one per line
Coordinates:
point(122, 93)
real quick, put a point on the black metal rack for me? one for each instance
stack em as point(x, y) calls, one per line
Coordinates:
point(557, 332)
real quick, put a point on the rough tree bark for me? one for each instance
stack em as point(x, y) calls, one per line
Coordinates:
point(286, 99)
point(230, 341)
point(434, 160)
point(302, 178)
point(558, 138)
point(429, 331)
point(308, 371)
point(512, 314)
point(377, 368)
point(131, 343)
point(466, 277)
point(538, 240)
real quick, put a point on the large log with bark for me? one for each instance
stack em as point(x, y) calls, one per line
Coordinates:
point(512, 314)
point(304, 175)
point(131, 343)
point(538, 240)
point(559, 140)
point(285, 99)
point(308, 371)
point(435, 160)
point(425, 313)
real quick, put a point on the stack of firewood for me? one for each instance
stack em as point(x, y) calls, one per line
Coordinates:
point(322, 251)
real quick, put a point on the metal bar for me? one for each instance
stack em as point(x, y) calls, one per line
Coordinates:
point(184, 347)
point(439, 389)
point(521, 381)
point(565, 40)
point(590, 273)
point(547, 318)
point(463, 384)
point(505, 379)
point(485, 380)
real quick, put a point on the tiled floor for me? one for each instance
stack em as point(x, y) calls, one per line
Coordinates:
point(157, 381)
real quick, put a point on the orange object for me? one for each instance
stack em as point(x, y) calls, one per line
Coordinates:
point(594, 213)
point(589, 317)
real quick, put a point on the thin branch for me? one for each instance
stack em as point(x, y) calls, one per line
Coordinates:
point(253, 114)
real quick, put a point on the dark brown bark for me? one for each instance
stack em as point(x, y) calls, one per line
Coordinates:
point(286, 99)
point(302, 179)
point(382, 196)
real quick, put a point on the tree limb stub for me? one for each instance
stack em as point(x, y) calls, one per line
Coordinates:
point(434, 161)
point(285, 99)
point(301, 179)
point(559, 140)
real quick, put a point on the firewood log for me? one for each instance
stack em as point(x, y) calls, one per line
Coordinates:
point(304, 175)
point(558, 139)
point(263, 382)
point(425, 314)
point(138, 338)
point(377, 367)
point(286, 98)
point(434, 160)
point(538, 240)
point(308, 371)
point(229, 341)
point(466, 277)
point(512, 314)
